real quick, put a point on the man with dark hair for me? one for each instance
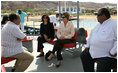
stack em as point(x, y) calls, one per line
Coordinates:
point(19, 11)
point(12, 17)
point(22, 17)
point(105, 12)
point(101, 45)
point(11, 37)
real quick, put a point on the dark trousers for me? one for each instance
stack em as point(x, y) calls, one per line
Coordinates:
point(58, 47)
point(40, 40)
point(104, 64)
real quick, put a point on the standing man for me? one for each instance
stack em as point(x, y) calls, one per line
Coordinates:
point(101, 45)
point(11, 42)
point(22, 17)
point(54, 18)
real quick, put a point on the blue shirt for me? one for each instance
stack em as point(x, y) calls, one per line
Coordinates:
point(22, 16)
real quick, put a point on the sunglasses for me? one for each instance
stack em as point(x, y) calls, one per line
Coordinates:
point(45, 17)
point(99, 14)
point(62, 17)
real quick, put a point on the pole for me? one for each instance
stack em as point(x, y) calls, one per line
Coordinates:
point(59, 11)
point(77, 14)
point(34, 28)
point(65, 6)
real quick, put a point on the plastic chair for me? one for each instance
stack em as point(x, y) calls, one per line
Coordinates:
point(3, 68)
point(71, 47)
point(115, 68)
point(68, 45)
point(6, 60)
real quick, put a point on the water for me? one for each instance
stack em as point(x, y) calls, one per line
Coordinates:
point(87, 23)
point(84, 22)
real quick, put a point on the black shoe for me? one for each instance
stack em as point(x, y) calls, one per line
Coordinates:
point(40, 55)
point(12, 70)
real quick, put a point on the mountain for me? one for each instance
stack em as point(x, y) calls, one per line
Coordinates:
point(14, 5)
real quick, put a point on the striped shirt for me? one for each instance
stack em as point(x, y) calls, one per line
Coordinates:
point(10, 45)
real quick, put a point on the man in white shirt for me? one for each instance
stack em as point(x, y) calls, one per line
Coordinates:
point(101, 45)
point(11, 37)
point(54, 18)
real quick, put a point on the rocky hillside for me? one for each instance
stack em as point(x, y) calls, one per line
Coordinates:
point(14, 5)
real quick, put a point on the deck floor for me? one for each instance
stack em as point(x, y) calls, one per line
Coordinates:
point(70, 63)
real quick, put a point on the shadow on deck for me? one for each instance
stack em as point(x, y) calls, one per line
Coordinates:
point(70, 63)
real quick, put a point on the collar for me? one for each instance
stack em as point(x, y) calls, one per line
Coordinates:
point(66, 23)
point(106, 21)
point(9, 22)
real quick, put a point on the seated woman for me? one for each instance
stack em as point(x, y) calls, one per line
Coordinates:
point(47, 33)
point(65, 33)
point(5, 19)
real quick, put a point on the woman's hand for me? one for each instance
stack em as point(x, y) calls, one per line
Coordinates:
point(45, 37)
point(48, 40)
point(62, 37)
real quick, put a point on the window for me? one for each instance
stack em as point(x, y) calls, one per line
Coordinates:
point(71, 9)
point(67, 9)
point(75, 9)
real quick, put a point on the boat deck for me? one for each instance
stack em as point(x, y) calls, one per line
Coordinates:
point(70, 62)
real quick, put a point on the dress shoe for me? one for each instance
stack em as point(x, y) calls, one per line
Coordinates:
point(50, 57)
point(57, 65)
point(40, 55)
point(13, 70)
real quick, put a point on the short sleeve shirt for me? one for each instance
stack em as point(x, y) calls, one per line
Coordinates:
point(22, 17)
point(10, 45)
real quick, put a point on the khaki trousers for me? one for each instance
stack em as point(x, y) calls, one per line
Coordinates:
point(23, 60)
